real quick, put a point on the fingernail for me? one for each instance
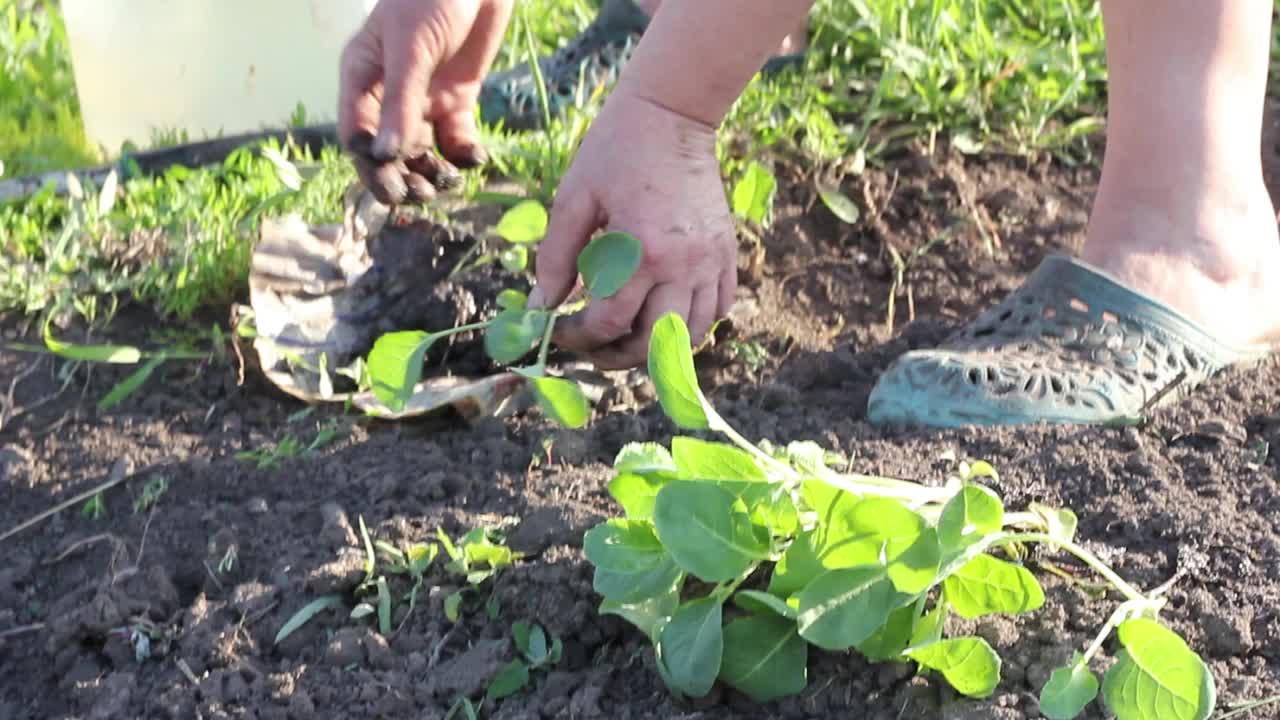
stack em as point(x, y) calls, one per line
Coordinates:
point(536, 299)
point(387, 145)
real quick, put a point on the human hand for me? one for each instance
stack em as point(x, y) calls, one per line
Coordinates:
point(409, 82)
point(650, 172)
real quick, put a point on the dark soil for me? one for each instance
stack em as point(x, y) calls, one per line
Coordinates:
point(1197, 491)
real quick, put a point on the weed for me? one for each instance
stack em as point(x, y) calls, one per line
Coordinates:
point(289, 446)
point(750, 353)
point(852, 561)
point(94, 508)
point(156, 487)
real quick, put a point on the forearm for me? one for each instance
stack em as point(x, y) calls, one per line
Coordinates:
point(698, 55)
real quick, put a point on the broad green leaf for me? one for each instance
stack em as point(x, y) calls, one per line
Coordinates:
point(515, 258)
point(117, 354)
point(305, 613)
point(608, 262)
point(395, 365)
point(636, 494)
point(513, 333)
point(674, 379)
point(972, 513)
point(510, 299)
point(764, 603)
point(797, 568)
point(650, 615)
point(764, 657)
point(968, 663)
point(630, 564)
point(987, 585)
point(827, 501)
point(562, 400)
point(771, 506)
point(1068, 691)
point(707, 535)
point(1061, 522)
point(510, 680)
point(753, 194)
point(1157, 677)
point(878, 529)
point(525, 223)
point(129, 385)
point(839, 204)
point(701, 460)
point(692, 645)
point(453, 605)
point(645, 458)
point(842, 608)
point(892, 638)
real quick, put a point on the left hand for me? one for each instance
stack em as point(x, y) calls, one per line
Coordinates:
point(650, 172)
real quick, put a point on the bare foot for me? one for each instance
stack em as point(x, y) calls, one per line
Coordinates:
point(1215, 261)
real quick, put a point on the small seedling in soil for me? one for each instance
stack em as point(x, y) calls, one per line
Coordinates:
point(477, 557)
point(535, 654)
point(395, 362)
point(151, 493)
point(734, 560)
point(94, 508)
point(289, 447)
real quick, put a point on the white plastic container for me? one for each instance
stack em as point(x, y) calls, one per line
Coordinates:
point(206, 67)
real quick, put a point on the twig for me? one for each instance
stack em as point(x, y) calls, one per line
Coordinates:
point(435, 653)
point(213, 575)
point(186, 671)
point(64, 505)
point(142, 544)
point(85, 542)
point(21, 630)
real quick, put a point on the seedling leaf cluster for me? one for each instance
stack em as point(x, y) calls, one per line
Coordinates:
point(734, 558)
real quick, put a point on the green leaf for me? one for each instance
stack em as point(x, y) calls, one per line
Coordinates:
point(764, 603)
point(384, 606)
point(510, 299)
point(525, 223)
point(876, 529)
point(692, 644)
point(764, 657)
point(515, 258)
point(842, 608)
point(1060, 522)
point(645, 458)
point(395, 365)
point(608, 262)
point(305, 613)
point(650, 615)
point(753, 194)
point(797, 568)
point(892, 638)
point(928, 629)
point(631, 565)
point(129, 385)
point(972, 513)
point(707, 535)
point(562, 400)
point(1068, 691)
point(1157, 677)
point(987, 585)
point(636, 494)
point(510, 680)
point(513, 333)
point(968, 663)
point(839, 204)
point(117, 354)
point(452, 605)
point(674, 379)
point(701, 460)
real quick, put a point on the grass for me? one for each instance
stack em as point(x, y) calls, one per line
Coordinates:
point(1017, 76)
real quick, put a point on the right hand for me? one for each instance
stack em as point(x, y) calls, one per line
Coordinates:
point(410, 79)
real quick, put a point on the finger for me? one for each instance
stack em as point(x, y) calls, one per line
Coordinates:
point(408, 67)
point(435, 170)
point(702, 313)
point(574, 217)
point(631, 350)
point(386, 180)
point(459, 141)
point(605, 321)
point(359, 71)
point(418, 189)
point(727, 290)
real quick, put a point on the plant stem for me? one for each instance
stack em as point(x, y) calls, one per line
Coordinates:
point(1129, 591)
point(1122, 613)
point(546, 341)
point(725, 590)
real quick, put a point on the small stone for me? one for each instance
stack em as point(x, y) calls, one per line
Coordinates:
point(335, 528)
point(469, 674)
point(345, 648)
point(378, 652)
point(256, 506)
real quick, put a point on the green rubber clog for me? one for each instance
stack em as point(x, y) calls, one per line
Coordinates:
point(590, 61)
point(1071, 345)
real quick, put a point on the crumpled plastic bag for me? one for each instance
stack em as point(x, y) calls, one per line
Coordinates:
point(319, 296)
